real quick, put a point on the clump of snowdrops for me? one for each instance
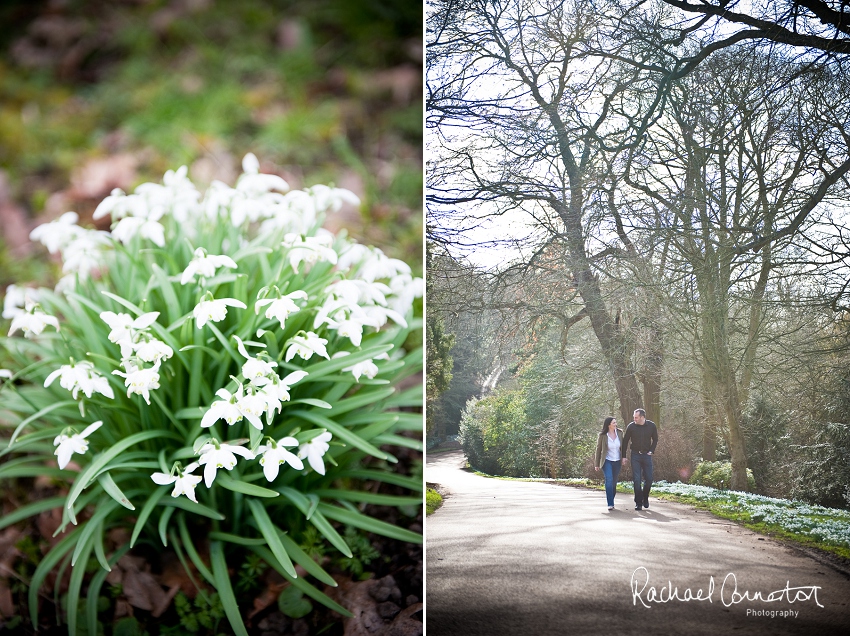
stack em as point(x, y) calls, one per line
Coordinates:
point(211, 375)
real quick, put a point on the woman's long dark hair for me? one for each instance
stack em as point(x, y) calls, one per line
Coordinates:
point(608, 420)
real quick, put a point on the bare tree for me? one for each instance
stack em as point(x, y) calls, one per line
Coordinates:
point(524, 118)
point(750, 148)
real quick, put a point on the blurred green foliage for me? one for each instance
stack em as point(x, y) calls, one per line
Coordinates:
point(324, 90)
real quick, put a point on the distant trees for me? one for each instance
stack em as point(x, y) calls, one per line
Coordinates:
point(668, 185)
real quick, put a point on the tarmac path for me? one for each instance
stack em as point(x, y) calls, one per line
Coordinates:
point(534, 558)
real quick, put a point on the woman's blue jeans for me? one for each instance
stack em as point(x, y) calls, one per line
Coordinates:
point(611, 471)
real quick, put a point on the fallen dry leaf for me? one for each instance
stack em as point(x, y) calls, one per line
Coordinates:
point(375, 609)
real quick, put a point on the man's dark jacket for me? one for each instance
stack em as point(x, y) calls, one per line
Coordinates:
point(643, 438)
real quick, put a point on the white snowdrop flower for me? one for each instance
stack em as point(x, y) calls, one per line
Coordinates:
point(67, 445)
point(353, 255)
point(225, 409)
point(333, 309)
point(32, 321)
point(257, 371)
point(16, 300)
point(378, 316)
point(184, 482)
point(214, 310)
point(57, 234)
point(243, 209)
point(177, 195)
point(281, 308)
point(349, 328)
point(148, 228)
point(366, 368)
point(215, 455)
point(378, 265)
point(217, 200)
point(204, 265)
point(65, 284)
point(250, 164)
point(80, 376)
point(124, 327)
point(85, 253)
point(315, 450)
point(360, 292)
point(277, 391)
point(404, 289)
point(253, 406)
point(331, 199)
point(274, 454)
point(152, 350)
point(6, 373)
point(140, 381)
point(252, 182)
point(309, 250)
point(305, 346)
point(119, 205)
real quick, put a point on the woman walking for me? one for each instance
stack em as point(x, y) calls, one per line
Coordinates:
point(609, 458)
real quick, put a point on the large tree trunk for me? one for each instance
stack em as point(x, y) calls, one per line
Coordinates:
point(709, 424)
point(651, 376)
point(608, 332)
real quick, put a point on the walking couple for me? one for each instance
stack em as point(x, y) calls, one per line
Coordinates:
point(611, 455)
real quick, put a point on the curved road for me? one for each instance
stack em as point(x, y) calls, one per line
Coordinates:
point(533, 558)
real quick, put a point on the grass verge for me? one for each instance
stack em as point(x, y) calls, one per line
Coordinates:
point(433, 500)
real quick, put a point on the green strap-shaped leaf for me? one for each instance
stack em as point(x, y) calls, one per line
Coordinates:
point(30, 510)
point(37, 416)
point(369, 524)
point(301, 584)
point(111, 488)
point(197, 508)
point(406, 399)
point(146, 511)
point(404, 481)
point(321, 404)
point(102, 460)
point(94, 589)
point(99, 552)
point(361, 399)
point(303, 559)
point(76, 583)
point(90, 526)
point(51, 559)
point(341, 434)
point(172, 304)
point(391, 439)
point(175, 542)
point(226, 481)
point(317, 519)
point(225, 590)
point(270, 533)
point(164, 518)
point(232, 538)
point(189, 546)
point(368, 497)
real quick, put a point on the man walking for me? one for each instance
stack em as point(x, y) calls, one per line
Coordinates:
point(643, 434)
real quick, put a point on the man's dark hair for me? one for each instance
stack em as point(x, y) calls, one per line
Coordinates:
point(641, 411)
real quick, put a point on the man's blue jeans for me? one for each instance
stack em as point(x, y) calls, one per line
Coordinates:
point(642, 472)
point(611, 471)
